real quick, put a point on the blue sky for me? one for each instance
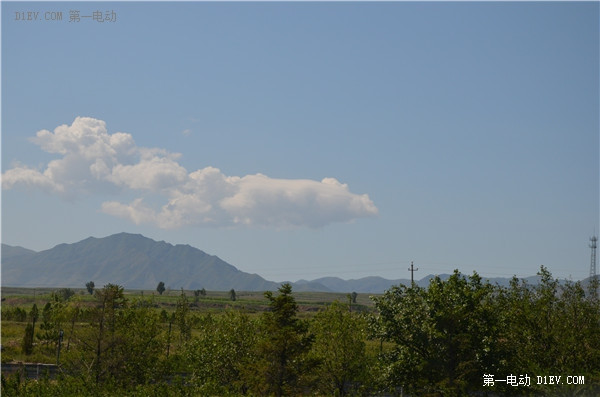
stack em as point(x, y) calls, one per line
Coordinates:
point(303, 140)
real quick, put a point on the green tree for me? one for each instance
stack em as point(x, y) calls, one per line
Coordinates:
point(63, 294)
point(220, 351)
point(281, 350)
point(164, 316)
point(578, 328)
point(72, 314)
point(27, 343)
point(181, 317)
point(34, 314)
point(139, 347)
point(445, 336)
point(339, 348)
point(52, 319)
point(552, 328)
point(160, 288)
point(232, 294)
point(99, 341)
point(90, 287)
point(122, 346)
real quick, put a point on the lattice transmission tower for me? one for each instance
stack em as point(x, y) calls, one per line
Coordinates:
point(593, 246)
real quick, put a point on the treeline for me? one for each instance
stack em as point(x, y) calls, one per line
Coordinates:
point(461, 336)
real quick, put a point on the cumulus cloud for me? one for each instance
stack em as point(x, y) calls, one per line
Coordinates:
point(157, 173)
point(299, 202)
point(92, 160)
point(28, 177)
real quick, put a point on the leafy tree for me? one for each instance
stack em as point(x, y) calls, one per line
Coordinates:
point(446, 336)
point(553, 328)
point(27, 343)
point(281, 350)
point(34, 314)
point(339, 347)
point(139, 346)
point(164, 316)
point(14, 314)
point(47, 312)
point(90, 287)
point(120, 348)
point(578, 328)
point(100, 340)
point(219, 353)
point(232, 294)
point(52, 319)
point(160, 288)
point(63, 294)
point(181, 317)
point(171, 321)
point(72, 314)
point(198, 293)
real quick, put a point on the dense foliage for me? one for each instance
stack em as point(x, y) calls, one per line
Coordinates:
point(447, 336)
point(443, 340)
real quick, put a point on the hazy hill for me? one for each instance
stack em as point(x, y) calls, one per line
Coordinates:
point(9, 251)
point(131, 260)
point(137, 262)
point(378, 285)
point(362, 285)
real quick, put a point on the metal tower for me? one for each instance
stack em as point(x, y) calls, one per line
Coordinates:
point(593, 245)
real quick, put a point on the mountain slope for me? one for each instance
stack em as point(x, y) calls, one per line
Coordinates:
point(9, 251)
point(130, 260)
point(137, 262)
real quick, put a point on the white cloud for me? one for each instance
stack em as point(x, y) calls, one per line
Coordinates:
point(136, 212)
point(94, 160)
point(261, 200)
point(28, 177)
point(88, 152)
point(152, 174)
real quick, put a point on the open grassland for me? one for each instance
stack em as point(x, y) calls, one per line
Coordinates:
point(251, 301)
point(214, 303)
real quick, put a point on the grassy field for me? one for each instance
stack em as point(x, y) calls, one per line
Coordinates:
point(250, 300)
point(215, 302)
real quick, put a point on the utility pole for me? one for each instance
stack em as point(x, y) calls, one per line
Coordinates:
point(593, 246)
point(412, 271)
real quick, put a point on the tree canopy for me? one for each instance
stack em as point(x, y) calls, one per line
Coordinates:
point(441, 340)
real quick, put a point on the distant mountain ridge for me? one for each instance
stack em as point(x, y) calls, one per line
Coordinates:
point(375, 284)
point(11, 252)
point(131, 260)
point(138, 262)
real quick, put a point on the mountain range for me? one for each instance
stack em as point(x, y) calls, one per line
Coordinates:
point(130, 260)
point(138, 262)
